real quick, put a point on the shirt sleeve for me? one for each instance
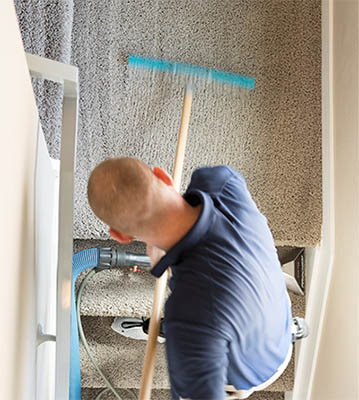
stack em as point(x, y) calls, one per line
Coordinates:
point(197, 362)
point(210, 179)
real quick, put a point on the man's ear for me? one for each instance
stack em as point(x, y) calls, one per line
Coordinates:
point(120, 237)
point(163, 175)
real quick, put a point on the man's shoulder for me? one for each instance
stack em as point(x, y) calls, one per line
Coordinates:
point(212, 179)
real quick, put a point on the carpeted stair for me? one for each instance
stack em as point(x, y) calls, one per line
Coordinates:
point(272, 135)
point(90, 394)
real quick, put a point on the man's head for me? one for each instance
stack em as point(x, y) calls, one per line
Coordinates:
point(126, 194)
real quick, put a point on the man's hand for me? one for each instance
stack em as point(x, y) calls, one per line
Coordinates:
point(154, 253)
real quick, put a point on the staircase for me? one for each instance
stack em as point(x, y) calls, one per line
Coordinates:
point(123, 292)
point(273, 135)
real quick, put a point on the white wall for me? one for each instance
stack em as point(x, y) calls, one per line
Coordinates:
point(337, 372)
point(19, 122)
point(328, 359)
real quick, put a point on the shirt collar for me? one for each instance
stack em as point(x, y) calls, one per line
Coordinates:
point(194, 235)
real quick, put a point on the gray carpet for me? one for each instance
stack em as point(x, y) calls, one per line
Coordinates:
point(272, 135)
point(90, 394)
point(121, 360)
point(46, 28)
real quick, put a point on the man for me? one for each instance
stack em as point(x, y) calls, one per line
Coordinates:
point(228, 321)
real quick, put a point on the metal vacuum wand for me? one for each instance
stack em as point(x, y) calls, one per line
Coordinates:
point(115, 258)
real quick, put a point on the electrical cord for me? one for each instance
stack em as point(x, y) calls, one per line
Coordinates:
point(98, 397)
point(110, 387)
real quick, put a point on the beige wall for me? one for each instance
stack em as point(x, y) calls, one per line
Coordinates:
point(19, 121)
point(337, 373)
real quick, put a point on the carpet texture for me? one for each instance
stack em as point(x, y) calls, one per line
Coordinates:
point(121, 360)
point(46, 28)
point(272, 135)
point(90, 394)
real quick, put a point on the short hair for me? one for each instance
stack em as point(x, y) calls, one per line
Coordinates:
point(119, 193)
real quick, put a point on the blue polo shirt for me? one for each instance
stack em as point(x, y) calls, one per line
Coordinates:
point(228, 318)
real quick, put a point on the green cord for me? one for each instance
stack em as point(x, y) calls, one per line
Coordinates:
point(99, 396)
point(110, 387)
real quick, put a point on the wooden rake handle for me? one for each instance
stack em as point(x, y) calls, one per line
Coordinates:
point(161, 283)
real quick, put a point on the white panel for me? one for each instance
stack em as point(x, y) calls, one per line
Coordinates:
point(47, 204)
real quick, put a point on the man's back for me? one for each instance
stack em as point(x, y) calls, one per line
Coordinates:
point(228, 318)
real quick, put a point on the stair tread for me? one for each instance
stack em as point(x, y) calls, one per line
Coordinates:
point(117, 293)
point(120, 292)
point(121, 359)
point(125, 293)
point(91, 393)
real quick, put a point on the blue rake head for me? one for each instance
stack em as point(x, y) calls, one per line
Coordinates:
point(178, 68)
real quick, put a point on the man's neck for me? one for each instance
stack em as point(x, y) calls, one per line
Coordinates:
point(175, 224)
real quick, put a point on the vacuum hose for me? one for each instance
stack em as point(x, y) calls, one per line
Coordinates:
point(98, 259)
